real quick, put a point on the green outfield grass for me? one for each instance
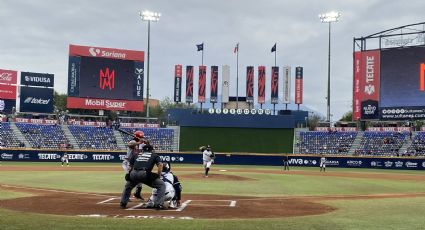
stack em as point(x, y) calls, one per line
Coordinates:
point(389, 213)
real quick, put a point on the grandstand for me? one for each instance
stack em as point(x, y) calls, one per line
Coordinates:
point(42, 136)
point(417, 148)
point(324, 142)
point(91, 137)
point(161, 138)
point(7, 138)
point(381, 143)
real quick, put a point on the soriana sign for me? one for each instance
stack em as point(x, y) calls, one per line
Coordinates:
point(91, 51)
point(8, 76)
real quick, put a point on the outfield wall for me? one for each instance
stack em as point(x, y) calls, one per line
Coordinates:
point(258, 140)
point(222, 159)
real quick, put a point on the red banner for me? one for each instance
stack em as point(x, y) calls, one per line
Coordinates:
point(250, 84)
point(91, 51)
point(298, 85)
point(8, 76)
point(339, 129)
point(178, 83)
point(357, 107)
point(261, 84)
point(35, 121)
point(214, 84)
point(189, 84)
point(104, 104)
point(369, 83)
point(202, 83)
point(139, 125)
point(389, 129)
point(8, 91)
point(274, 90)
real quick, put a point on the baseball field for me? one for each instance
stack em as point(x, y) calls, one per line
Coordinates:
point(85, 196)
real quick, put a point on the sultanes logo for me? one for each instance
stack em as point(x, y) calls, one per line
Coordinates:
point(369, 89)
point(107, 79)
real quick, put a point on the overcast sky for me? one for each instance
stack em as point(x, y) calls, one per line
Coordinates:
point(35, 36)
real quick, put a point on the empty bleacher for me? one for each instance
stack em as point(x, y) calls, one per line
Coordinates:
point(162, 139)
point(7, 137)
point(381, 143)
point(42, 136)
point(325, 142)
point(91, 137)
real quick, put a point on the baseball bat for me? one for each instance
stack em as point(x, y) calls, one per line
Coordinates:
point(125, 132)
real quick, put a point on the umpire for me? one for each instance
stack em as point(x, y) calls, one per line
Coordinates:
point(141, 166)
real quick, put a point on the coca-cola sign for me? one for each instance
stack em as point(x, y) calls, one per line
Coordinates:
point(8, 76)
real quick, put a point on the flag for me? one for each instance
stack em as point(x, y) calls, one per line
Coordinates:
point(236, 48)
point(274, 48)
point(200, 46)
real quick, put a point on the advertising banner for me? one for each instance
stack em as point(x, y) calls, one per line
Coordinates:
point(102, 52)
point(298, 85)
point(138, 80)
point(370, 84)
point(261, 84)
point(37, 100)
point(8, 76)
point(8, 92)
point(357, 94)
point(250, 84)
point(7, 105)
point(286, 84)
point(274, 91)
point(37, 79)
point(225, 84)
point(74, 64)
point(110, 79)
point(202, 83)
point(104, 104)
point(189, 84)
point(214, 84)
point(232, 159)
point(178, 83)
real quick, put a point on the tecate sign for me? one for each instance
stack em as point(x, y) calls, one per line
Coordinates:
point(37, 101)
point(102, 157)
point(48, 156)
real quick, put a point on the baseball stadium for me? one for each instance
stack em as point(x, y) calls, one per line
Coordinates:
point(69, 160)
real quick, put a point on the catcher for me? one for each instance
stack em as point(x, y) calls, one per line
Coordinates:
point(173, 189)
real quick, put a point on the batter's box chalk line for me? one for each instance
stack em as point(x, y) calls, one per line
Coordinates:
point(137, 207)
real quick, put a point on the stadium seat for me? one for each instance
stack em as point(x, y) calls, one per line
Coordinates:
point(162, 139)
point(7, 137)
point(319, 142)
point(42, 136)
point(91, 137)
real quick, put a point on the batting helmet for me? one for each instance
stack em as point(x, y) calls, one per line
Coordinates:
point(139, 134)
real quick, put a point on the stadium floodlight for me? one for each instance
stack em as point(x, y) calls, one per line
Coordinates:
point(329, 18)
point(148, 16)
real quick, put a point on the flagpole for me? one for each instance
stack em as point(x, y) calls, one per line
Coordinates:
point(237, 77)
point(202, 60)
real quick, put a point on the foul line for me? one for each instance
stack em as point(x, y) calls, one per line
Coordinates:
point(183, 206)
point(54, 190)
point(105, 201)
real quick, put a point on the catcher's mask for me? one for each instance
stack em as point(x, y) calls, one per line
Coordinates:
point(166, 167)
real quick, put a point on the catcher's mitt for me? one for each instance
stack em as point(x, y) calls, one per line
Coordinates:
point(212, 155)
